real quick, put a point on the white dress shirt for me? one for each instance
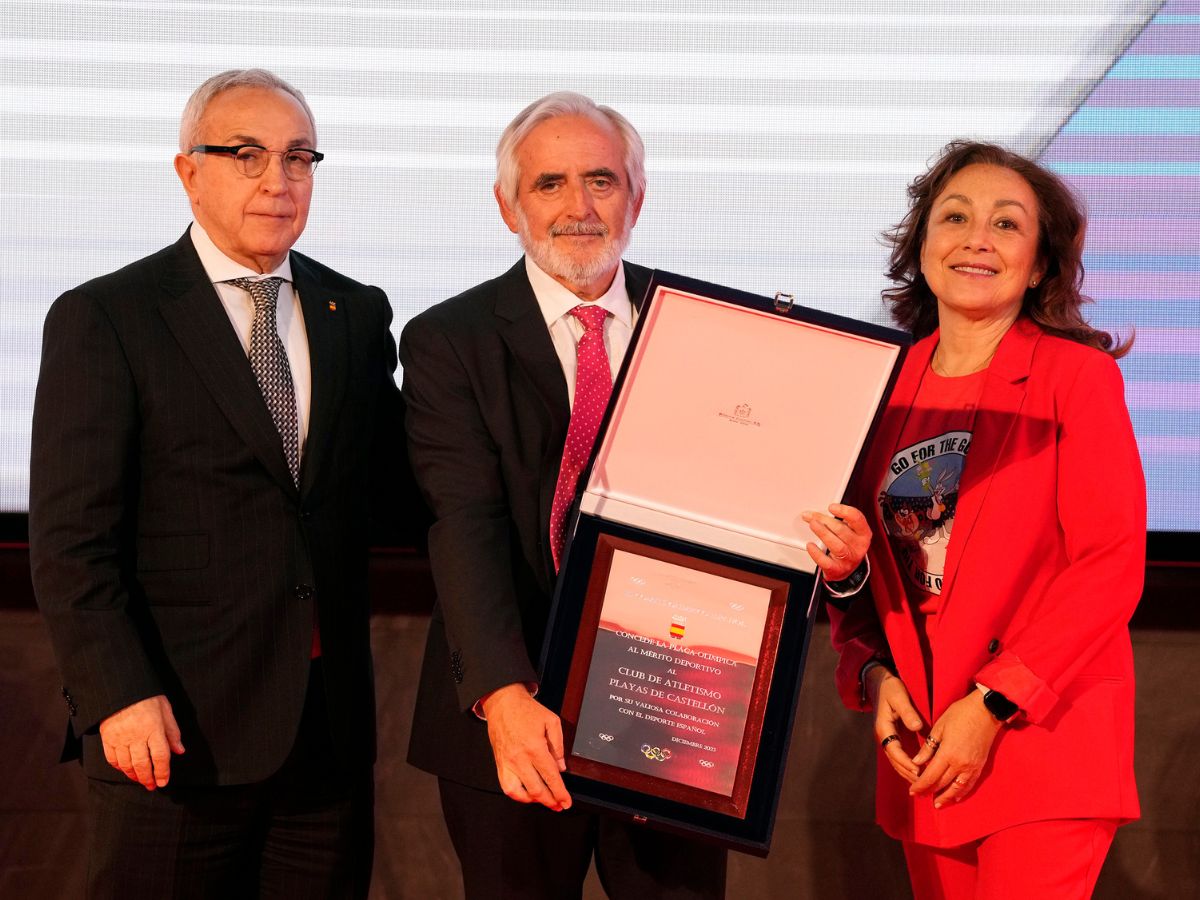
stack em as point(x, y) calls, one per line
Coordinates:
point(239, 306)
point(556, 302)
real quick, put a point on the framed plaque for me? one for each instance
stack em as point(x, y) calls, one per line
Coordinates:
point(686, 596)
point(669, 681)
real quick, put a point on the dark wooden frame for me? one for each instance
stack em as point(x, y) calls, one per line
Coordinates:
point(735, 803)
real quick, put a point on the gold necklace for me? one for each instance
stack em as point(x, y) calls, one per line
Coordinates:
point(939, 369)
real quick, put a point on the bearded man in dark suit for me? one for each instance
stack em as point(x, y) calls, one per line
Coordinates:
point(491, 380)
point(208, 427)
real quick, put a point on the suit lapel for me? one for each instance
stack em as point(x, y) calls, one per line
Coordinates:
point(325, 326)
point(195, 316)
point(897, 617)
point(1003, 395)
point(637, 279)
point(524, 332)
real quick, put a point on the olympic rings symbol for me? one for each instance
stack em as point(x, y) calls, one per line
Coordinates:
point(605, 737)
point(707, 763)
point(656, 754)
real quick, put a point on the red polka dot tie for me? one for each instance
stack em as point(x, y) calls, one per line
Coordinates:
point(593, 385)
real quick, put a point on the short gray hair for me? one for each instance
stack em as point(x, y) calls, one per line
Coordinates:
point(197, 105)
point(567, 103)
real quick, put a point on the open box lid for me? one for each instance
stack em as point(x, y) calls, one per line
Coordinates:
point(733, 414)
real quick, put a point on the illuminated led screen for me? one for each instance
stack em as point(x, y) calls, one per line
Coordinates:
point(780, 137)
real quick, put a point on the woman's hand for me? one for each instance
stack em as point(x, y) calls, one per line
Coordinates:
point(845, 533)
point(893, 709)
point(957, 750)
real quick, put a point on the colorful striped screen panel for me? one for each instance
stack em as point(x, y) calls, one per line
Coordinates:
point(1133, 151)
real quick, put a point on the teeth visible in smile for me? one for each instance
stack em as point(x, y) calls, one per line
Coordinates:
point(974, 270)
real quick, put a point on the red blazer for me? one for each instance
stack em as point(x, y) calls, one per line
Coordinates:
point(1042, 575)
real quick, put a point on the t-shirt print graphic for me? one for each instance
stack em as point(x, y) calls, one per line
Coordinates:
point(917, 504)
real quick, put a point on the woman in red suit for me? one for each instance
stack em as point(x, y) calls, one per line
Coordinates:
point(1007, 500)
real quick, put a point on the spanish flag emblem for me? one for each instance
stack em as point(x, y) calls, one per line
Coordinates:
point(678, 623)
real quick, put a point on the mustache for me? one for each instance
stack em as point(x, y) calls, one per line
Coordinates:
point(579, 228)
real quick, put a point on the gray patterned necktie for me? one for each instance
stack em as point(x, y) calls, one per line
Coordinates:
point(269, 361)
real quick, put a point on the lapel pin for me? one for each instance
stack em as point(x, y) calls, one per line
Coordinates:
point(333, 306)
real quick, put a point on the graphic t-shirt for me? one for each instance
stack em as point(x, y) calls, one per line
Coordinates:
point(919, 493)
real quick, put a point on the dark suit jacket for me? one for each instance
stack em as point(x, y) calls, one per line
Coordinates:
point(171, 551)
point(487, 416)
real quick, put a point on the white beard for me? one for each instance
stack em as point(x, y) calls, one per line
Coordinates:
point(554, 262)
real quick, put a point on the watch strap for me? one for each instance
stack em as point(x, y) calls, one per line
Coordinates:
point(851, 583)
point(1003, 709)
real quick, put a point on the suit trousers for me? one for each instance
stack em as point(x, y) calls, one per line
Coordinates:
point(1057, 859)
point(524, 851)
point(305, 832)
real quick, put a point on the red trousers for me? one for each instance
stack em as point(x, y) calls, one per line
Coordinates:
point(1058, 859)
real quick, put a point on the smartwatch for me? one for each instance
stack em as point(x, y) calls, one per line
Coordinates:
point(998, 705)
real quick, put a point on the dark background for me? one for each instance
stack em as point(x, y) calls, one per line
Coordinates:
point(825, 843)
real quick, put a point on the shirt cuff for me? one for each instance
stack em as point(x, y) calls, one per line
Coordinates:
point(477, 707)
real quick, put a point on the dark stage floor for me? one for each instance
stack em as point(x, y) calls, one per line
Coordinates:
point(825, 845)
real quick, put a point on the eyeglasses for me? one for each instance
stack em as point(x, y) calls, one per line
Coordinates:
point(252, 160)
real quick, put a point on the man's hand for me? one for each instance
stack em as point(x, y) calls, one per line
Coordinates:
point(139, 740)
point(893, 708)
point(528, 745)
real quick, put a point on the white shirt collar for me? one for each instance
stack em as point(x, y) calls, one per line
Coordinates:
point(555, 301)
point(220, 267)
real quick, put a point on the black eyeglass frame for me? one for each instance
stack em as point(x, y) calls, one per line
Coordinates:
point(235, 149)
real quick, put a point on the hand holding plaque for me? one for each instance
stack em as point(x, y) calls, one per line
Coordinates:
point(687, 591)
point(527, 744)
point(846, 536)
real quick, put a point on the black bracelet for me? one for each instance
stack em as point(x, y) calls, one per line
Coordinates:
point(884, 662)
point(850, 582)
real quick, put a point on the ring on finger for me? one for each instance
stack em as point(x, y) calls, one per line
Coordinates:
point(932, 743)
point(961, 781)
point(887, 740)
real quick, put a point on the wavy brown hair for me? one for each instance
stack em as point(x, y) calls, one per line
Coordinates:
point(1055, 304)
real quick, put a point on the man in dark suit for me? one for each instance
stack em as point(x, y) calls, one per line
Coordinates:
point(497, 382)
point(207, 432)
